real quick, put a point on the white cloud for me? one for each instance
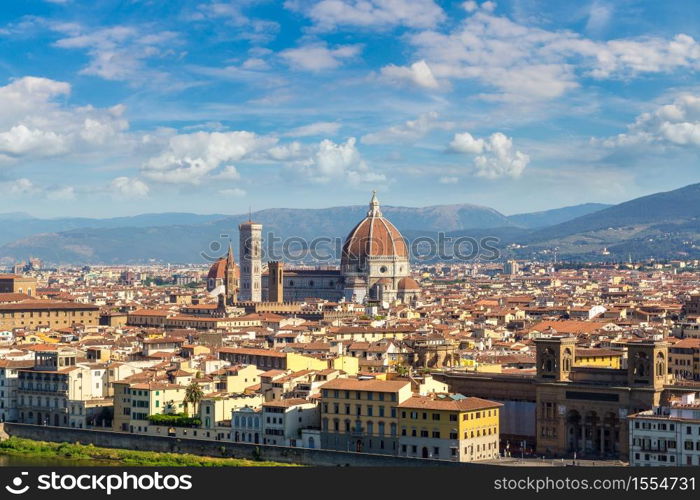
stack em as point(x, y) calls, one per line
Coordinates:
point(329, 15)
point(192, 158)
point(448, 180)
point(233, 192)
point(230, 15)
point(408, 132)
point(128, 187)
point(418, 74)
point(25, 187)
point(119, 52)
point(495, 157)
point(470, 6)
point(64, 193)
point(229, 173)
point(489, 6)
point(20, 140)
point(20, 187)
point(518, 62)
point(34, 123)
point(466, 143)
point(326, 161)
point(675, 124)
point(599, 16)
point(318, 57)
point(318, 128)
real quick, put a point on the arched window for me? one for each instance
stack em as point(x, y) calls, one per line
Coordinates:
point(660, 365)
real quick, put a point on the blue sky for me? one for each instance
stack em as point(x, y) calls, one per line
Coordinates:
point(132, 106)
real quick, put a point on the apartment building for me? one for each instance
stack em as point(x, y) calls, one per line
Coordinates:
point(283, 421)
point(449, 427)
point(361, 415)
point(666, 435)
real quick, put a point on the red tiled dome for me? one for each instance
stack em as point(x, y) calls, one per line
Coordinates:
point(373, 236)
point(408, 283)
point(217, 270)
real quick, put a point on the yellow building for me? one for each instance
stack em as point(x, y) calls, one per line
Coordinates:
point(238, 379)
point(598, 358)
point(361, 415)
point(349, 364)
point(449, 427)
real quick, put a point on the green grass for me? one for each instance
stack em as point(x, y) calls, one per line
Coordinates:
point(41, 449)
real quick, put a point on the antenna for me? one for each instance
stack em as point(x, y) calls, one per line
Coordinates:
point(250, 213)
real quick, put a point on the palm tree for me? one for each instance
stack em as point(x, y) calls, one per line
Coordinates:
point(193, 394)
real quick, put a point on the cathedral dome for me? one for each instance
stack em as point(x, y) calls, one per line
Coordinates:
point(408, 283)
point(374, 236)
point(217, 270)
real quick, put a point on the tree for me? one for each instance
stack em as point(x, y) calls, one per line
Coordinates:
point(193, 394)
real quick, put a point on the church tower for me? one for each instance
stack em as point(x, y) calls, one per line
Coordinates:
point(647, 364)
point(231, 278)
point(250, 235)
point(555, 357)
point(275, 281)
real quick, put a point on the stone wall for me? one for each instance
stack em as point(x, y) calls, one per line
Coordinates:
point(303, 456)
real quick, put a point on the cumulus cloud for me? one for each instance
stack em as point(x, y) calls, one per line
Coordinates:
point(408, 132)
point(418, 74)
point(326, 161)
point(494, 157)
point(35, 124)
point(518, 62)
point(128, 187)
point(318, 57)
point(329, 15)
point(675, 124)
point(191, 158)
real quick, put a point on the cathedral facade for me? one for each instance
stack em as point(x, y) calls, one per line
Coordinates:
point(374, 266)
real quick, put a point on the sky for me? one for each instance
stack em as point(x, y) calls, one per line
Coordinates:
point(121, 107)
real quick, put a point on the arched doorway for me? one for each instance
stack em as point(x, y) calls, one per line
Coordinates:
point(358, 446)
point(592, 433)
point(312, 442)
point(424, 454)
point(573, 430)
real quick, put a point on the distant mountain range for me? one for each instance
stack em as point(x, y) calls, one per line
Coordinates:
point(663, 225)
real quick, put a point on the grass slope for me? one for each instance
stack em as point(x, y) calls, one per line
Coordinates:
point(41, 449)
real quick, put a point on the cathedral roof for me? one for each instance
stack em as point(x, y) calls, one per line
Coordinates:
point(374, 236)
point(217, 270)
point(408, 283)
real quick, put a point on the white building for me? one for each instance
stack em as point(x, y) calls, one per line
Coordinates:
point(283, 421)
point(666, 436)
point(8, 388)
point(246, 425)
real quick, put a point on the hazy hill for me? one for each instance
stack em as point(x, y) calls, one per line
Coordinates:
point(663, 225)
point(153, 236)
point(555, 216)
point(18, 225)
